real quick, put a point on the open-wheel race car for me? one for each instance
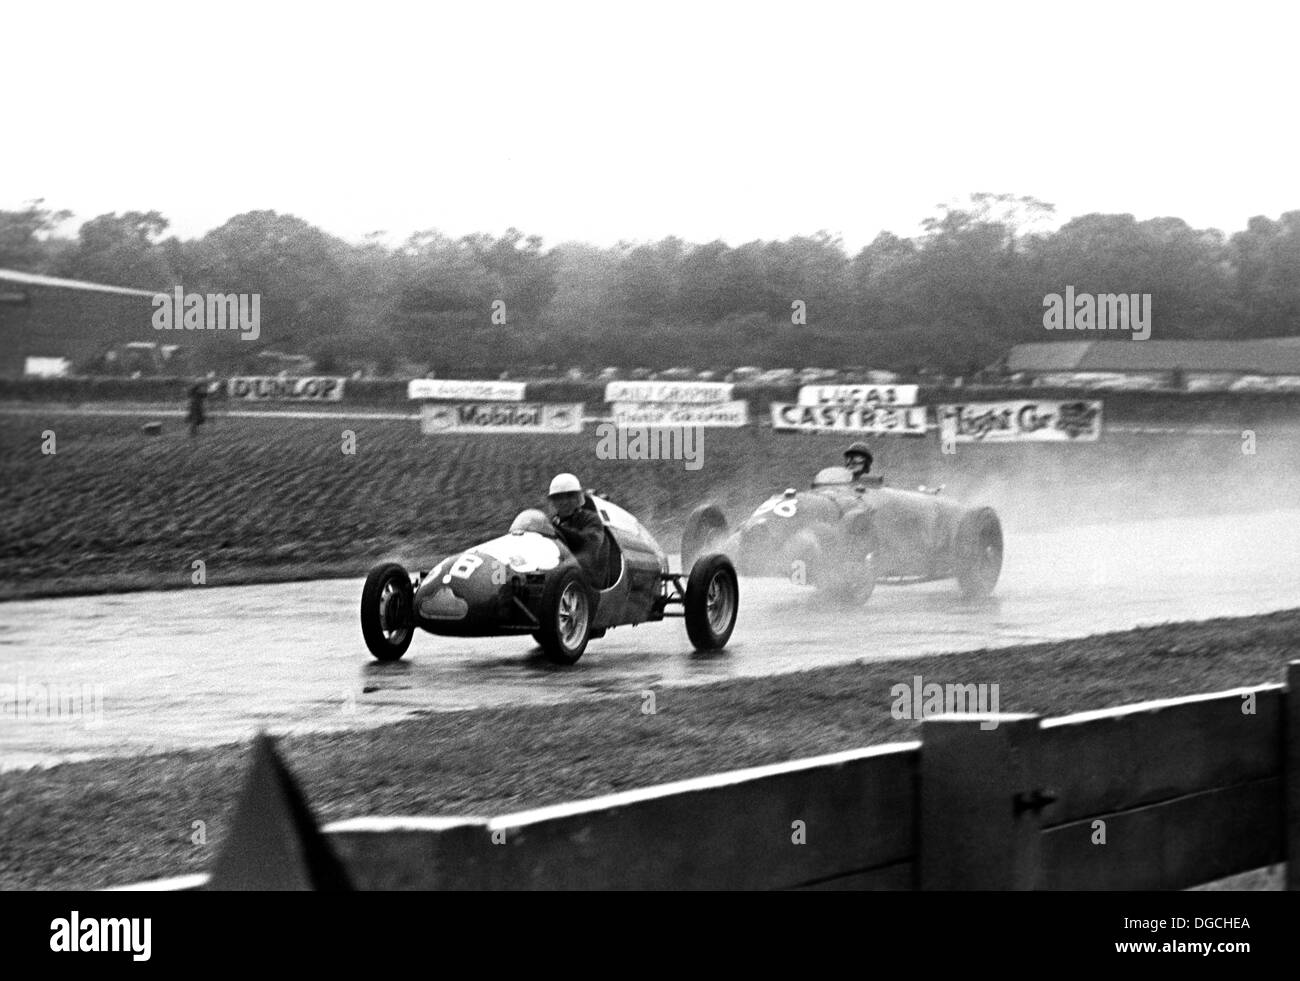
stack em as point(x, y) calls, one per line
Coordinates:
point(844, 535)
point(528, 581)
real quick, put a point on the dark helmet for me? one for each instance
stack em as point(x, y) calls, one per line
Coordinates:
point(859, 449)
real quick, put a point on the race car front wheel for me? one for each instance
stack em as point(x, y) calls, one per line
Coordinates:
point(854, 580)
point(387, 611)
point(840, 564)
point(566, 615)
point(712, 602)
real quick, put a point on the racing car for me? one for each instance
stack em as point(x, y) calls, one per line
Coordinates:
point(844, 535)
point(528, 581)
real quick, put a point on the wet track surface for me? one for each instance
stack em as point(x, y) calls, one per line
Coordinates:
point(153, 671)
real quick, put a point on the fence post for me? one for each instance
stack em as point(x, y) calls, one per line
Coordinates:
point(979, 825)
point(1291, 774)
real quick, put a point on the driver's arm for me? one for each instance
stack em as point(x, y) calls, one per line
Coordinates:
point(581, 532)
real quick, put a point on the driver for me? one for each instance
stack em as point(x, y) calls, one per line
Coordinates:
point(579, 527)
point(858, 460)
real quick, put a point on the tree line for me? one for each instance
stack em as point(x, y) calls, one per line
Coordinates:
point(953, 297)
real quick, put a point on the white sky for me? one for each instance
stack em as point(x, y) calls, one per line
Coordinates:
point(611, 121)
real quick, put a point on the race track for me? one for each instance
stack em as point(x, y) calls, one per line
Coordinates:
point(155, 671)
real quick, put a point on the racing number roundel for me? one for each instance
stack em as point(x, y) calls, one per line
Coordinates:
point(464, 567)
point(784, 508)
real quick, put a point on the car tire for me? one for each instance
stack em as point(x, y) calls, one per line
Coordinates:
point(567, 611)
point(712, 602)
point(388, 611)
point(817, 547)
point(978, 552)
point(859, 559)
point(855, 577)
point(838, 567)
point(705, 529)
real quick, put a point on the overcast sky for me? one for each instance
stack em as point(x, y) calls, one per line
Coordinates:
point(611, 121)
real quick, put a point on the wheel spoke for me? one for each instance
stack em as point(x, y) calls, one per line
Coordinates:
point(572, 614)
point(392, 613)
point(718, 602)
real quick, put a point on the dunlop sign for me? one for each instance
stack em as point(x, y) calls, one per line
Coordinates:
point(286, 389)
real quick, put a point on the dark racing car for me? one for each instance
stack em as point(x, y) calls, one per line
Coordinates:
point(529, 582)
point(844, 535)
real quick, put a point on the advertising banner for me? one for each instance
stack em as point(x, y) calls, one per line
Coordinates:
point(1020, 421)
point(858, 395)
point(467, 391)
point(676, 414)
point(692, 393)
point(495, 417)
point(906, 420)
point(285, 389)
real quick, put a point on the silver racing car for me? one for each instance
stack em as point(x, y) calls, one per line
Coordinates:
point(527, 581)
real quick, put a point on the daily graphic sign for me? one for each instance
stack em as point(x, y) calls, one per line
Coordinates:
point(682, 393)
point(1077, 421)
point(675, 414)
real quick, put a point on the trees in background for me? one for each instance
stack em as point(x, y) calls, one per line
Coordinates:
point(953, 297)
point(26, 237)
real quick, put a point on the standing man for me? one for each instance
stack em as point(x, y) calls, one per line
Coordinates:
point(198, 392)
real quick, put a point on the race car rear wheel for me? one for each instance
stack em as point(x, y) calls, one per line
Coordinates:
point(705, 528)
point(712, 602)
point(979, 552)
point(566, 614)
point(387, 611)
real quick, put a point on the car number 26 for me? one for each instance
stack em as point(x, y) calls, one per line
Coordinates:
point(784, 507)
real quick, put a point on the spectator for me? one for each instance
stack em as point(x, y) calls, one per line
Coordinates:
point(198, 393)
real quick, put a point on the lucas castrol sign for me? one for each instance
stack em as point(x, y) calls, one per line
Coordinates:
point(899, 420)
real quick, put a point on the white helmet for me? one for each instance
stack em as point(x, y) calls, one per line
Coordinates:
point(565, 483)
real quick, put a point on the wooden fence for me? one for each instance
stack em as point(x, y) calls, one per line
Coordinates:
point(1159, 795)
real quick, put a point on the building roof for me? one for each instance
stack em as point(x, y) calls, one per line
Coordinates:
point(1062, 356)
point(54, 282)
point(1278, 356)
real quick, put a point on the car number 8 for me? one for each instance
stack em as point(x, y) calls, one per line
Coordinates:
point(465, 565)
